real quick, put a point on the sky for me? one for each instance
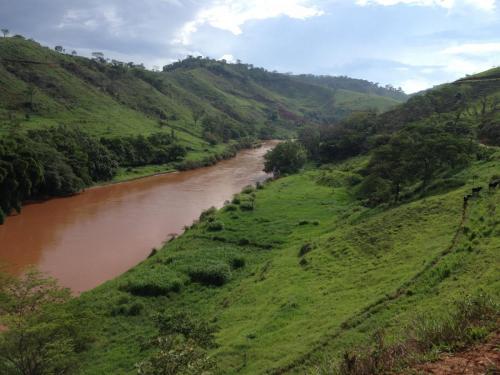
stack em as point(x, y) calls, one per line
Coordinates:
point(413, 44)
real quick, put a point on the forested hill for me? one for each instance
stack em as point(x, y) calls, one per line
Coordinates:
point(40, 87)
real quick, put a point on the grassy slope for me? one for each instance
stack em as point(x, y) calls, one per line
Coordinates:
point(278, 314)
point(75, 91)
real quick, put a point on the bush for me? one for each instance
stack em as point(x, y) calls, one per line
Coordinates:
point(247, 206)
point(207, 213)
point(248, 189)
point(243, 241)
point(286, 157)
point(128, 310)
point(236, 199)
point(215, 226)
point(155, 282)
point(238, 262)
point(214, 274)
point(231, 207)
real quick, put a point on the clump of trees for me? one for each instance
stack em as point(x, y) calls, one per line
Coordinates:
point(53, 162)
point(415, 155)
point(218, 129)
point(139, 150)
point(42, 333)
point(287, 157)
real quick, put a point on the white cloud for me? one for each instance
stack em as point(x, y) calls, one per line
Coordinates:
point(486, 5)
point(411, 86)
point(231, 15)
point(476, 49)
point(229, 58)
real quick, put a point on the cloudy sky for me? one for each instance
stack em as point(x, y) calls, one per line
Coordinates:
point(414, 44)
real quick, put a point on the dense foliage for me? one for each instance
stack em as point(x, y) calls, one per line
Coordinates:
point(43, 334)
point(287, 157)
point(415, 155)
point(157, 148)
point(180, 348)
point(61, 161)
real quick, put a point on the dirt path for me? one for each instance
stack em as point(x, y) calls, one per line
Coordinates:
point(480, 359)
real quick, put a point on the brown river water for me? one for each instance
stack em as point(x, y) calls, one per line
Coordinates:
point(94, 236)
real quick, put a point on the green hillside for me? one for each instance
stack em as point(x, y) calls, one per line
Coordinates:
point(294, 273)
point(41, 87)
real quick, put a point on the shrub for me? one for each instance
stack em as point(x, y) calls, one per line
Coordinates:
point(247, 205)
point(248, 189)
point(215, 226)
point(231, 207)
point(214, 274)
point(207, 213)
point(236, 199)
point(243, 241)
point(135, 309)
point(238, 262)
point(155, 282)
point(128, 310)
point(286, 157)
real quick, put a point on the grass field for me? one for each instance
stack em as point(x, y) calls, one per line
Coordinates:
point(321, 273)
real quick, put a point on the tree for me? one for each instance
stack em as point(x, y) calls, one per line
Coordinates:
point(180, 348)
point(59, 49)
point(175, 356)
point(5, 32)
point(42, 335)
point(309, 137)
point(99, 56)
point(74, 53)
point(286, 157)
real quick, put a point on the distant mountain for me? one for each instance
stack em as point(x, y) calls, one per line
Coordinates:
point(353, 84)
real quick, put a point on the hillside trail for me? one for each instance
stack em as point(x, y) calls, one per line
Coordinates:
point(478, 360)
